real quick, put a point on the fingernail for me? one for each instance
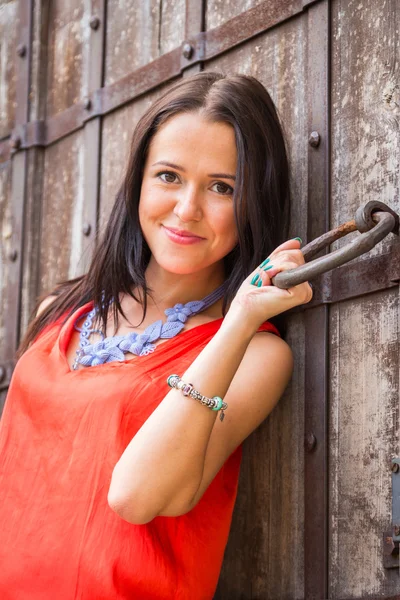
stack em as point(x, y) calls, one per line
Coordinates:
point(259, 284)
point(253, 281)
point(264, 263)
point(269, 267)
point(298, 238)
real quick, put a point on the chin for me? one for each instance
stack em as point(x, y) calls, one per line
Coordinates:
point(176, 269)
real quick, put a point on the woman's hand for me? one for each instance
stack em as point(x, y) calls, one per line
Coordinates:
point(257, 304)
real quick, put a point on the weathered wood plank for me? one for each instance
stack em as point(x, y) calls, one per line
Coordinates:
point(5, 249)
point(139, 32)
point(68, 31)
point(9, 57)
point(219, 11)
point(365, 109)
point(364, 436)
point(62, 211)
point(364, 429)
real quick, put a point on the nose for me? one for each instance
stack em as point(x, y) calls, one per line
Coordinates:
point(188, 205)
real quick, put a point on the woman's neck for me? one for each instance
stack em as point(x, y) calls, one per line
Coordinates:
point(168, 289)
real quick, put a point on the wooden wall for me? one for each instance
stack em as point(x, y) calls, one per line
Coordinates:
point(309, 517)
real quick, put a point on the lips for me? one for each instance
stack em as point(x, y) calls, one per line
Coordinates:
point(183, 233)
point(184, 238)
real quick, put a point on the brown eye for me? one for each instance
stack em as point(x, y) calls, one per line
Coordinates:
point(223, 189)
point(169, 177)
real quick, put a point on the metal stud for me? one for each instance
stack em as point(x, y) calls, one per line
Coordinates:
point(15, 142)
point(87, 103)
point(310, 442)
point(314, 139)
point(187, 50)
point(13, 255)
point(21, 50)
point(94, 23)
point(86, 229)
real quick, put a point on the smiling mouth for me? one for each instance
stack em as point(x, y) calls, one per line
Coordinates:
point(182, 237)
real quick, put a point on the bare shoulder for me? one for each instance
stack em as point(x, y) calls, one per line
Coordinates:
point(44, 304)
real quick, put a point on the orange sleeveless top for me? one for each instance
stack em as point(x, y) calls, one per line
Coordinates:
point(61, 434)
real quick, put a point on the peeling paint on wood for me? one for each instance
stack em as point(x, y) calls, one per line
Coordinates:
point(69, 28)
point(365, 109)
point(61, 228)
point(8, 58)
point(219, 11)
point(140, 32)
point(364, 436)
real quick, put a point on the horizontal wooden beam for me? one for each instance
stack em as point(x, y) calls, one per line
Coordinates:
point(199, 48)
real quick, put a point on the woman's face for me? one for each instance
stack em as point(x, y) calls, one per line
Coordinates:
point(188, 182)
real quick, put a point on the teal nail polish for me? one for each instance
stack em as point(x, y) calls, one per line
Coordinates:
point(253, 281)
point(259, 284)
point(270, 267)
point(298, 238)
point(264, 263)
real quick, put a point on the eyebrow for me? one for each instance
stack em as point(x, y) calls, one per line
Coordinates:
point(174, 166)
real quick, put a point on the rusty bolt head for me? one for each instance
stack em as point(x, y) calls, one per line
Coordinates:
point(395, 467)
point(15, 142)
point(187, 50)
point(87, 103)
point(86, 229)
point(2, 373)
point(13, 255)
point(21, 50)
point(314, 139)
point(94, 23)
point(310, 442)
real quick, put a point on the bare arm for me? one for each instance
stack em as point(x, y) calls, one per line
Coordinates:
point(173, 458)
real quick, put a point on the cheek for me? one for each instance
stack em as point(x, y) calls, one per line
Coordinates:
point(225, 226)
point(152, 204)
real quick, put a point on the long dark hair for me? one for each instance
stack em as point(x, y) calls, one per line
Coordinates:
point(261, 199)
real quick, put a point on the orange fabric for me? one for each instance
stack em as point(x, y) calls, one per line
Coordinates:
point(61, 434)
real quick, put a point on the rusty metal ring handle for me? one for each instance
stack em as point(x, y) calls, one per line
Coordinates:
point(374, 220)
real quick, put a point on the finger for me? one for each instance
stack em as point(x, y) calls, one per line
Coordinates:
point(265, 265)
point(288, 245)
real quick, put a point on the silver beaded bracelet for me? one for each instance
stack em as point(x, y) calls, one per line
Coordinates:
point(215, 403)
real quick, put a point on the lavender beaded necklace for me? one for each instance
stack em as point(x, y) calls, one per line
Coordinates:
point(114, 348)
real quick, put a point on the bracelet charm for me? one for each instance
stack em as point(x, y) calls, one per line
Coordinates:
point(216, 403)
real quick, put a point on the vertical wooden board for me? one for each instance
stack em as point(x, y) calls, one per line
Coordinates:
point(62, 209)
point(268, 521)
point(364, 436)
point(39, 61)
point(8, 59)
point(139, 32)
point(5, 248)
point(365, 110)
point(219, 11)
point(264, 556)
point(117, 133)
point(32, 236)
point(67, 42)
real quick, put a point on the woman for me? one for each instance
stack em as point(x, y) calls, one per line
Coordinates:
point(118, 479)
